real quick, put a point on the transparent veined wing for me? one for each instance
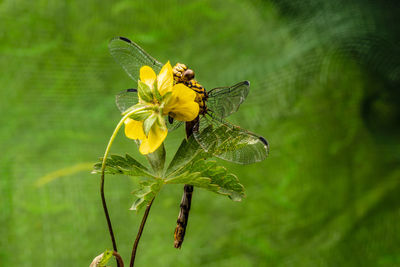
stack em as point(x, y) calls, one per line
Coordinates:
point(223, 101)
point(126, 99)
point(131, 57)
point(173, 124)
point(230, 142)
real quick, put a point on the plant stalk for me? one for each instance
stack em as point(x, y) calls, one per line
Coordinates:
point(120, 262)
point(139, 234)
point(103, 167)
point(103, 201)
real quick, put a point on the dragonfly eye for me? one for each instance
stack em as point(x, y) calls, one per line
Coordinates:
point(188, 75)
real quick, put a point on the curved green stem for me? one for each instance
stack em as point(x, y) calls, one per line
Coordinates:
point(120, 123)
point(103, 167)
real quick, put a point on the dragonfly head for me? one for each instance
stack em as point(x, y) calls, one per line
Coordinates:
point(182, 73)
point(188, 75)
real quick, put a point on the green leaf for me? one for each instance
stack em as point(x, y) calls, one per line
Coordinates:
point(228, 182)
point(210, 176)
point(189, 166)
point(144, 92)
point(157, 160)
point(106, 257)
point(188, 151)
point(120, 165)
point(166, 97)
point(161, 121)
point(137, 106)
point(102, 259)
point(148, 189)
point(141, 115)
point(148, 123)
point(194, 179)
point(156, 92)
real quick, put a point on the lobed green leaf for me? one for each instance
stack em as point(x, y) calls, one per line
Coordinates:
point(194, 179)
point(189, 151)
point(190, 166)
point(209, 176)
point(148, 189)
point(122, 165)
point(228, 183)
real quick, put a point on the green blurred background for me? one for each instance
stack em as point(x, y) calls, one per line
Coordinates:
point(325, 79)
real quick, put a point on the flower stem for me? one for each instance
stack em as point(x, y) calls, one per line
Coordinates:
point(139, 234)
point(103, 201)
point(103, 167)
point(120, 262)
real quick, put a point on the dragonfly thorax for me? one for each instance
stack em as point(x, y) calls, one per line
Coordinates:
point(182, 74)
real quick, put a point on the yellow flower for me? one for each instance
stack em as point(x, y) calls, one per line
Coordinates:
point(134, 130)
point(158, 96)
point(181, 105)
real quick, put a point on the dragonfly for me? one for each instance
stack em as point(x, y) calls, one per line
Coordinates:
point(210, 129)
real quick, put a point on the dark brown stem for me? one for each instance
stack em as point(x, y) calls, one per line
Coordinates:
point(139, 234)
point(120, 262)
point(110, 230)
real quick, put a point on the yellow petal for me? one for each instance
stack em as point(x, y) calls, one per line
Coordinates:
point(165, 79)
point(147, 75)
point(134, 129)
point(181, 105)
point(154, 140)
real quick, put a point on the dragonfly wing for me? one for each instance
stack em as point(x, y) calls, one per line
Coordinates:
point(224, 101)
point(131, 57)
point(126, 99)
point(173, 124)
point(230, 142)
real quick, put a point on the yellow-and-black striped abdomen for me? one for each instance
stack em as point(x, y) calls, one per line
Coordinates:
point(182, 74)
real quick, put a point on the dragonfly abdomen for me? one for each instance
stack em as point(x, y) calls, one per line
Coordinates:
point(183, 217)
